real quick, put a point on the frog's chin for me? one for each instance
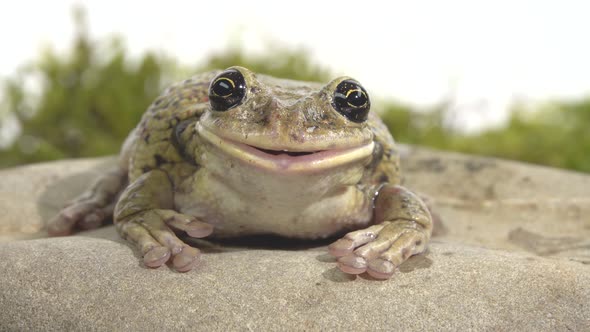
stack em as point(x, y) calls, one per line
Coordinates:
point(285, 161)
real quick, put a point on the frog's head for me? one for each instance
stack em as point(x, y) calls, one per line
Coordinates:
point(286, 125)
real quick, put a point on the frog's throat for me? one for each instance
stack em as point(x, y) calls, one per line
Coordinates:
point(313, 161)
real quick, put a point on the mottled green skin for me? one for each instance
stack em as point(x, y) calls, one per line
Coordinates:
point(204, 172)
point(152, 144)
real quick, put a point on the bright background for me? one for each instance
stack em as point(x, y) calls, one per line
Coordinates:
point(483, 55)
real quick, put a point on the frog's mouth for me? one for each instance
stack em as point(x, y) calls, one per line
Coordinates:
point(288, 161)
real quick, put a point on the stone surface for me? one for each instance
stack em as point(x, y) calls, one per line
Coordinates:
point(514, 255)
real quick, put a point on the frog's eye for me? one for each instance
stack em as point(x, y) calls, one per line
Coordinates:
point(227, 90)
point(352, 101)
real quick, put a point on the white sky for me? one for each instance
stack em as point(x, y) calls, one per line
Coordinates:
point(484, 54)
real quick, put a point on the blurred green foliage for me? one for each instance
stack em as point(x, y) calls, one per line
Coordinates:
point(90, 98)
point(556, 134)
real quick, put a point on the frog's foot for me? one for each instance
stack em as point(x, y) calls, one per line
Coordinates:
point(83, 214)
point(152, 232)
point(379, 249)
point(92, 208)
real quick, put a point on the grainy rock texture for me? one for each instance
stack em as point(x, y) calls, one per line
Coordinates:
point(513, 253)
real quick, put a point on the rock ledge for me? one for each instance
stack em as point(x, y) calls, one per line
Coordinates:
point(514, 255)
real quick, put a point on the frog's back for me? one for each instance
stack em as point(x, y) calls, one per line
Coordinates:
point(151, 143)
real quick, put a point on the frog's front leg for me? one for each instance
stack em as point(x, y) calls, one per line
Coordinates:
point(144, 215)
point(403, 227)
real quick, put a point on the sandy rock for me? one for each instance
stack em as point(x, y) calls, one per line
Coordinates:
point(514, 255)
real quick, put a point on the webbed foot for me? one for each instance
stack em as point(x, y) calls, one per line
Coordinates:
point(153, 234)
point(92, 208)
point(379, 249)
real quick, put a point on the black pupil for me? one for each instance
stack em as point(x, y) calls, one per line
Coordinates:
point(352, 101)
point(223, 87)
point(356, 98)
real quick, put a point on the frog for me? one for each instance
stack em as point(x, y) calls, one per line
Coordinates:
point(233, 153)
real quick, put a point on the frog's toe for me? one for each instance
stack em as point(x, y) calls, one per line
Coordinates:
point(86, 214)
point(60, 225)
point(352, 264)
point(378, 250)
point(186, 259)
point(92, 220)
point(353, 240)
point(156, 256)
point(183, 261)
point(158, 243)
point(381, 269)
point(405, 245)
point(96, 217)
